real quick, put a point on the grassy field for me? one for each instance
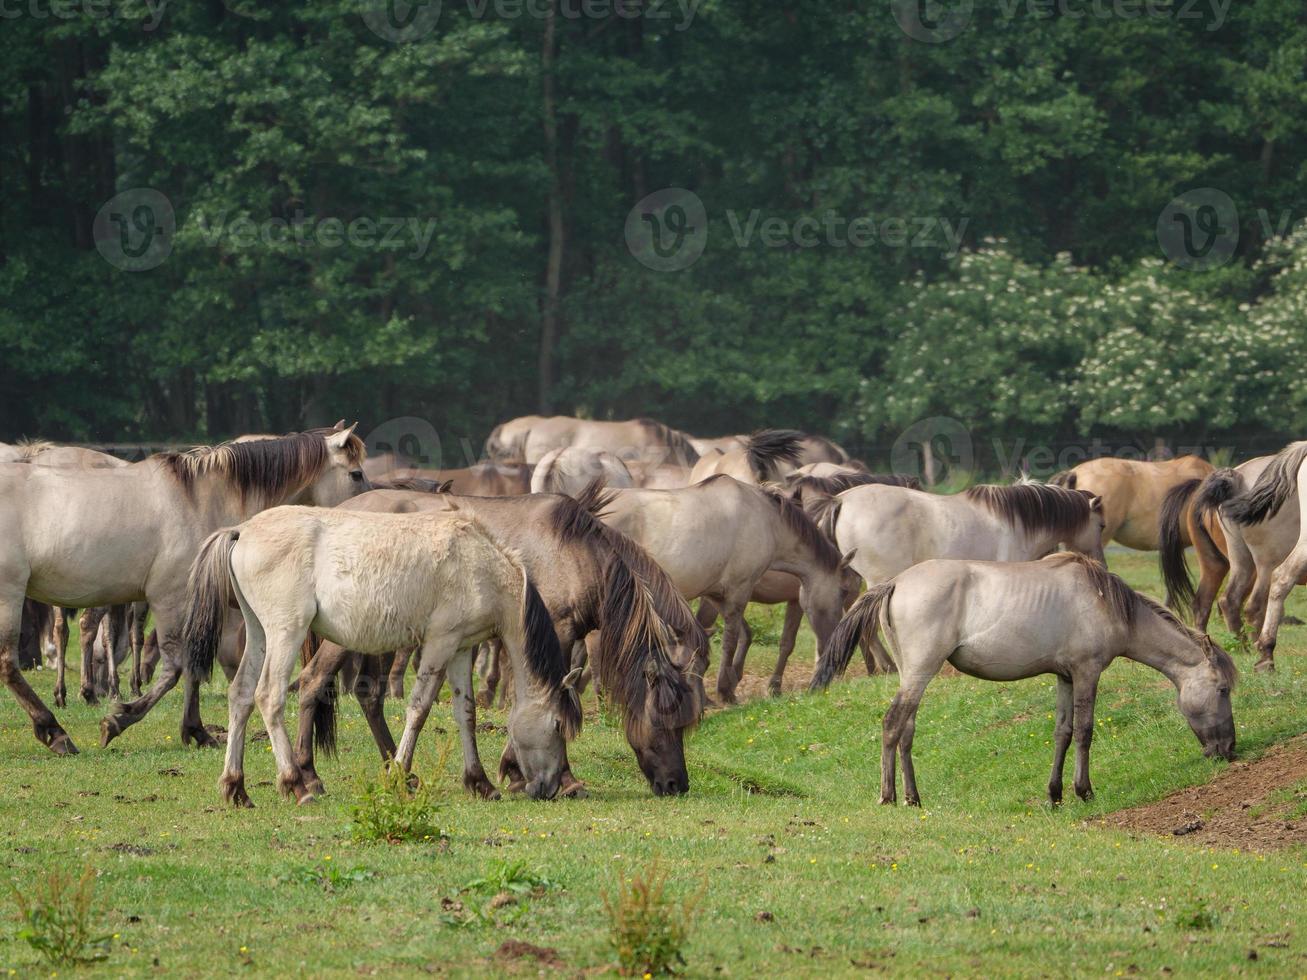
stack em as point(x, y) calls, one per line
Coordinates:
point(800, 871)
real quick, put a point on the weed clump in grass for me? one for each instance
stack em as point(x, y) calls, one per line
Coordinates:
point(503, 894)
point(647, 928)
point(394, 807)
point(58, 921)
point(1197, 916)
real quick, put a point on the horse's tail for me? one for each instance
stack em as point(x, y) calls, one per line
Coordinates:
point(1272, 489)
point(1170, 551)
point(211, 593)
point(768, 448)
point(860, 623)
point(1215, 490)
point(325, 712)
point(1063, 478)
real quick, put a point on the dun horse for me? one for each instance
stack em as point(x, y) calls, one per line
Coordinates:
point(571, 470)
point(590, 577)
point(88, 537)
point(765, 457)
point(1065, 615)
point(1133, 492)
point(373, 583)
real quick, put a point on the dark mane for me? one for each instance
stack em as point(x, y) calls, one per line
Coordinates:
point(413, 483)
point(271, 468)
point(805, 529)
point(1034, 506)
point(831, 485)
point(1272, 489)
point(767, 448)
point(677, 442)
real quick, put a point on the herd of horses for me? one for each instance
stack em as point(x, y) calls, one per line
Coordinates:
point(572, 552)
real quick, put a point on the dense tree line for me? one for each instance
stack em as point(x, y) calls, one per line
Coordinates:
point(377, 217)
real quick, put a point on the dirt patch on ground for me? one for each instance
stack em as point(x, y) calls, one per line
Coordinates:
point(1250, 806)
point(514, 950)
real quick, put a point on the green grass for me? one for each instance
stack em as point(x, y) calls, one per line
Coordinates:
point(782, 818)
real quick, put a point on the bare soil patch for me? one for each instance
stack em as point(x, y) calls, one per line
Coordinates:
point(1250, 806)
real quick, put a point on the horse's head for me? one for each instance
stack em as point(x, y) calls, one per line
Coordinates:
point(825, 595)
point(1204, 700)
point(656, 727)
point(540, 727)
point(1088, 536)
point(342, 476)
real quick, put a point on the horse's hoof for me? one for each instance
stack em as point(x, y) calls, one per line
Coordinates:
point(55, 739)
point(888, 800)
point(60, 699)
point(1265, 665)
point(1085, 794)
point(573, 789)
point(484, 699)
point(774, 689)
point(201, 738)
point(304, 796)
point(726, 697)
point(110, 728)
point(516, 786)
point(89, 697)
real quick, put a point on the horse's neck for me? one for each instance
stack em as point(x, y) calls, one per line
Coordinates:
point(219, 504)
point(1157, 643)
point(1009, 542)
point(796, 556)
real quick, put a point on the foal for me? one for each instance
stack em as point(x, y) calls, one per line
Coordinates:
point(1004, 621)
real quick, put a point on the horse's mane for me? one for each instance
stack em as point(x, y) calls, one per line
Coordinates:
point(1124, 604)
point(767, 448)
point(640, 608)
point(675, 440)
point(1272, 489)
point(831, 485)
point(1034, 506)
point(416, 483)
point(805, 529)
point(270, 467)
point(27, 448)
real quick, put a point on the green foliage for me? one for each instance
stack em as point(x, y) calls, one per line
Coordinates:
point(647, 928)
point(329, 877)
point(499, 896)
point(58, 918)
point(394, 807)
point(1197, 915)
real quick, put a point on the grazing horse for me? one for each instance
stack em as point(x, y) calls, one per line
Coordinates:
point(1133, 492)
point(767, 456)
point(1003, 621)
point(590, 577)
point(890, 528)
point(477, 480)
point(373, 583)
point(507, 441)
point(571, 470)
point(718, 539)
point(1260, 506)
point(74, 537)
point(642, 440)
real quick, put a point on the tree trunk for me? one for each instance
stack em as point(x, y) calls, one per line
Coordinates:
point(554, 264)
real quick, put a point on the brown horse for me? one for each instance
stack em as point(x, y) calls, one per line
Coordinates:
point(1133, 493)
point(590, 578)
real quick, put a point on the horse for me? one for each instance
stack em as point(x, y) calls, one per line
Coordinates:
point(88, 537)
point(1260, 508)
point(1133, 492)
point(507, 441)
point(373, 583)
point(571, 470)
point(488, 479)
point(766, 456)
point(659, 476)
point(718, 444)
point(718, 539)
point(1065, 615)
point(643, 440)
point(888, 529)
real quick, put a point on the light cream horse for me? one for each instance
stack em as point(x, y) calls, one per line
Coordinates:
point(1003, 621)
point(642, 440)
point(571, 470)
point(507, 441)
point(1261, 509)
point(766, 457)
point(888, 529)
point(112, 535)
point(373, 583)
point(718, 539)
point(718, 444)
point(1132, 492)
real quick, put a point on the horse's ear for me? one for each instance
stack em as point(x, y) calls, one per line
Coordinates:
point(445, 487)
point(339, 425)
point(339, 437)
point(651, 671)
point(573, 678)
point(847, 560)
point(1096, 503)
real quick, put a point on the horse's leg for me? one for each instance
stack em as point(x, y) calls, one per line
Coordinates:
point(229, 647)
point(150, 656)
point(1283, 579)
point(314, 678)
point(789, 634)
point(61, 614)
point(879, 656)
point(465, 713)
point(742, 648)
point(493, 651)
point(733, 620)
point(116, 624)
point(1242, 573)
point(137, 637)
point(397, 673)
point(505, 685)
point(1084, 695)
point(1061, 738)
point(1212, 569)
point(370, 689)
point(283, 649)
point(909, 698)
point(240, 702)
point(47, 730)
point(88, 626)
point(584, 654)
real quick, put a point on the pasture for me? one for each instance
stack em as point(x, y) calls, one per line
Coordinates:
point(795, 867)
